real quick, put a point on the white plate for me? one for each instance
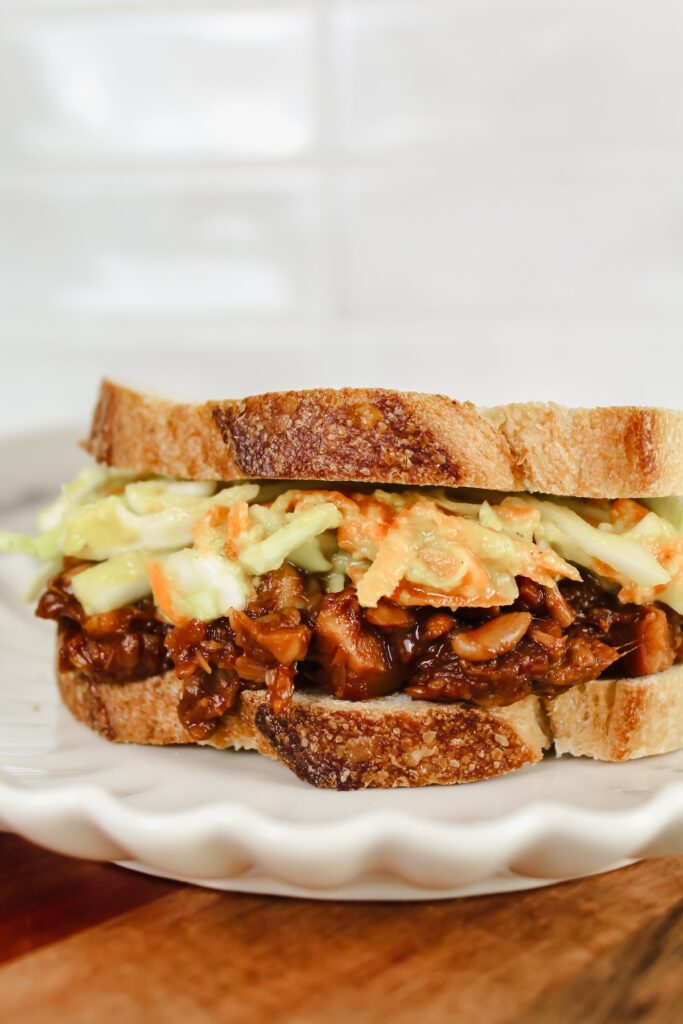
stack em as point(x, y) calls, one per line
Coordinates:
point(239, 821)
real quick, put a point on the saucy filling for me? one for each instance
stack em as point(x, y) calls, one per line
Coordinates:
point(357, 592)
point(295, 634)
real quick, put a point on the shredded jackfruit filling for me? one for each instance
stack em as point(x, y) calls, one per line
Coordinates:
point(200, 548)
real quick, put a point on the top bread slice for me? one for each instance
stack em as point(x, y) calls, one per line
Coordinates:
point(394, 437)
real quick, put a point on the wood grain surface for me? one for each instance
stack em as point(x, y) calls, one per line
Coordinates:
point(84, 942)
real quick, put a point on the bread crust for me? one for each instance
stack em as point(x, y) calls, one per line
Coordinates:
point(146, 712)
point(334, 744)
point(395, 438)
point(394, 741)
point(620, 720)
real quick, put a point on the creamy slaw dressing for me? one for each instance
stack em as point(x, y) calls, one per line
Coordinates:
point(200, 548)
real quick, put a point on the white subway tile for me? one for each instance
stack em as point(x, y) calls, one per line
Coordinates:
point(211, 246)
point(136, 85)
point(564, 74)
point(430, 243)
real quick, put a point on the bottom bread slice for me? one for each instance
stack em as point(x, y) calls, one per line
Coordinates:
point(387, 742)
point(395, 741)
point(620, 719)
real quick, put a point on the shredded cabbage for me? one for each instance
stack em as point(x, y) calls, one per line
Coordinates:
point(91, 482)
point(270, 553)
point(670, 509)
point(203, 586)
point(145, 497)
point(203, 543)
point(580, 542)
point(120, 580)
point(100, 529)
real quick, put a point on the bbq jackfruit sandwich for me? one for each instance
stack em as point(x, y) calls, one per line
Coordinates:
point(375, 588)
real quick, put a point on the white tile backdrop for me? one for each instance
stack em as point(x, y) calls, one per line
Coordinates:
point(483, 197)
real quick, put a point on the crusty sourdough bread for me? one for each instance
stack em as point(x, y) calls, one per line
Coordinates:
point(394, 437)
point(618, 720)
point(395, 741)
point(386, 436)
point(336, 744)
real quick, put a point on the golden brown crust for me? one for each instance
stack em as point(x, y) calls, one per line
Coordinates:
point(393, 741)
point(386, 743)
point(619, 720)
point(380, 435)
point(394, 437)
point(349, 434)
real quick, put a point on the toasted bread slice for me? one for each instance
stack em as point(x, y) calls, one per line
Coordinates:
point(395, 438)
point(619, 720)
point(395, 741)
point(336, 744)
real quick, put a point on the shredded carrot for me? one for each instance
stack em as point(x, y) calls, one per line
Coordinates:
point(389, 567)
point(603, 569)
point(203, 530)
point(367, 523)
point(236, 524)
point(222, 523)
point(510, 513)
point(476, 580)
point(162, 589)
point(627, 512)
point(217, 514)
point(357, 533)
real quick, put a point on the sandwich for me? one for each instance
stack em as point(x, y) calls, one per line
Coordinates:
point(375, 588)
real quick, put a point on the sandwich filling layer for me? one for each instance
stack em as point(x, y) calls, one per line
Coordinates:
point(359, 592)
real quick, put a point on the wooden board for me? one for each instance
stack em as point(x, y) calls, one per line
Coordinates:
point(85, 942)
